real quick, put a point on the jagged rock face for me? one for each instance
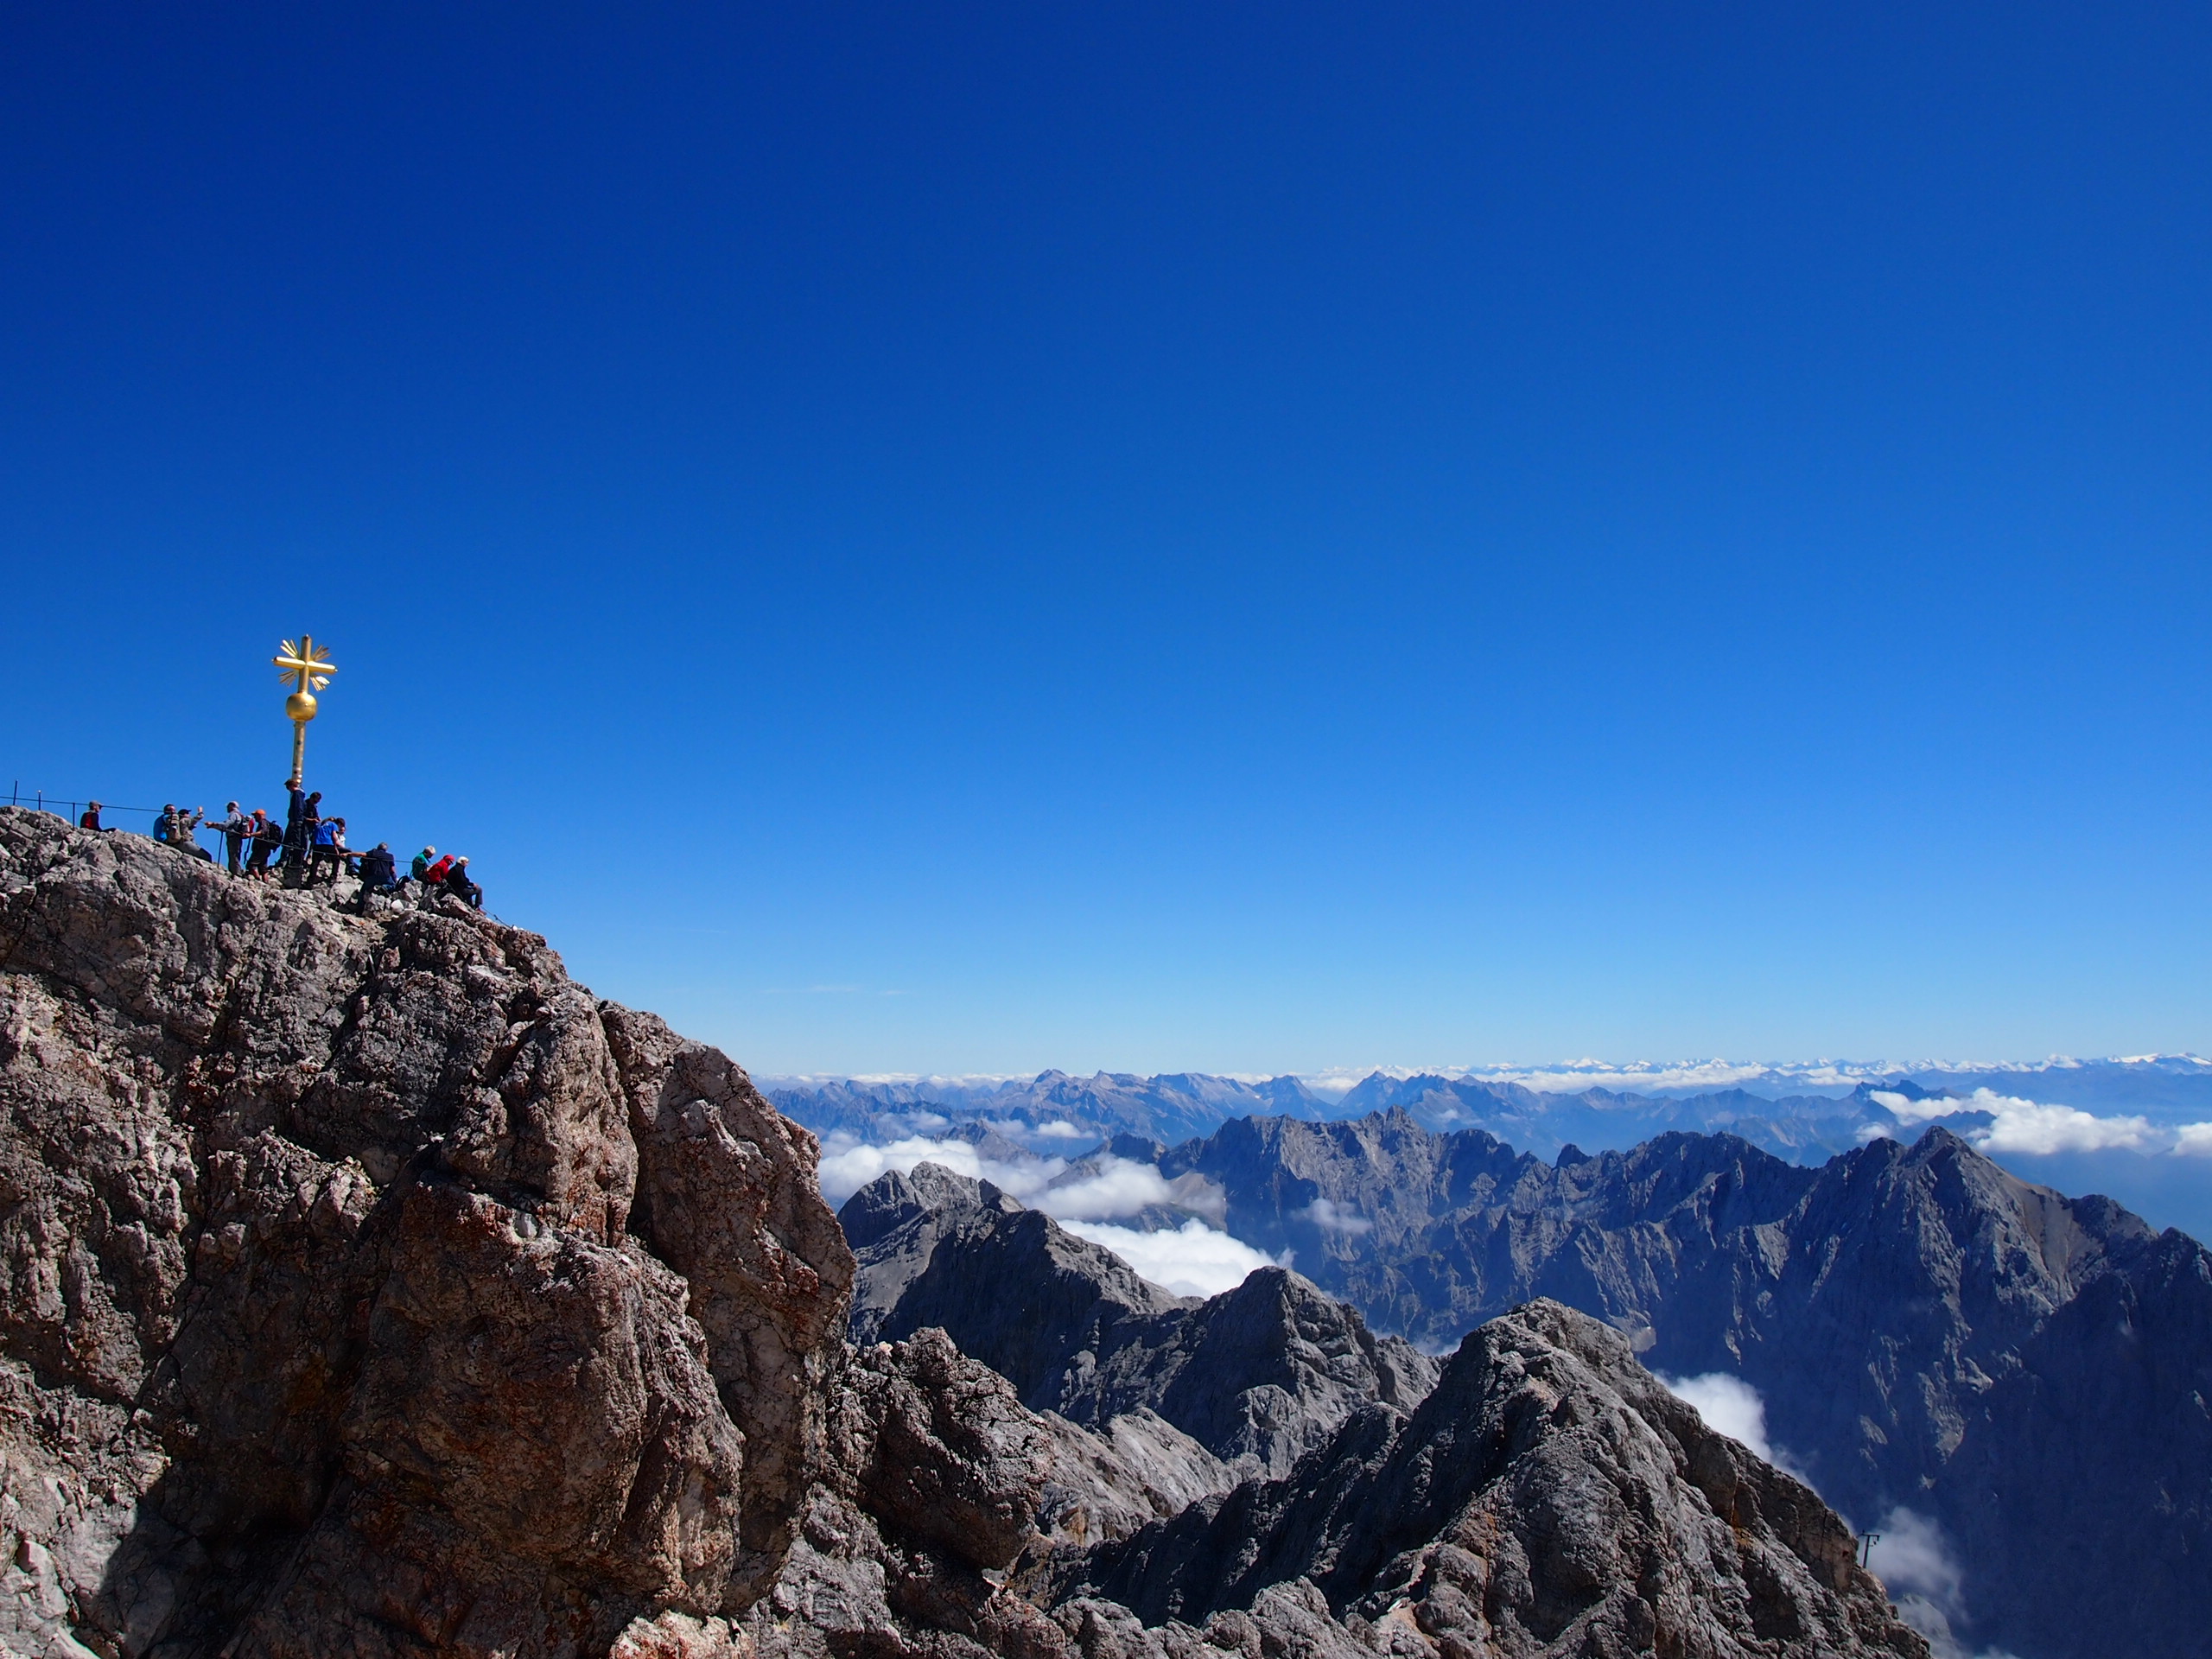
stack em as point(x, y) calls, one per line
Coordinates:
point(1016, 1290)
point(368, 1288)
point(727, 1196)
point(1924, 1330)
point(933, 1476)
point(325, 1321)
point(1549, 1497)
point(1257, 1375)
point(1134, 1470)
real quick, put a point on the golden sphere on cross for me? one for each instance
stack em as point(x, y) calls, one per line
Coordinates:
point(305, 666)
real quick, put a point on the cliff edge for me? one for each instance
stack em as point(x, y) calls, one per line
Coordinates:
point(369, 1288)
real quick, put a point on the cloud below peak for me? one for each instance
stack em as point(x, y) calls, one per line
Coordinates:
point(1192, 1260)
point(2026, 1126)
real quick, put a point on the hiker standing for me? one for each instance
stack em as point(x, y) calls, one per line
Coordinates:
point(267, 838)
point(299, 833)
point(236, 827)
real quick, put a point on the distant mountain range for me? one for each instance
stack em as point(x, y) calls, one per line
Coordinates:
point(1172, 1107)
point(1926, 1330)
point(1806, 1112)
point(2113, 1126)
point(2014, 1380)
point(1260, 1462)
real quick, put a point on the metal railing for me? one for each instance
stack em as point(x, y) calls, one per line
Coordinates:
point(39, 801)
point(68, 811)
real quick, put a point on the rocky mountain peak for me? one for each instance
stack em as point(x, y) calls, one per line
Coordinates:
point(1548, 1497)
point(367, 1286)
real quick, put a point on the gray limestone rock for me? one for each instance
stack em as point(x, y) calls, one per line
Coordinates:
point(1925, 1330)
point(325, 1321)
point(1136, 1469)
point(1549, 1497)
point(1256, 1376)
point(727, 1196)
point(368, 1287)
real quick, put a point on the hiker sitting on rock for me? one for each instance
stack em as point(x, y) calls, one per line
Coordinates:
point(379, 875)
point(174, 826)
point(458, 884)
point(92, 818)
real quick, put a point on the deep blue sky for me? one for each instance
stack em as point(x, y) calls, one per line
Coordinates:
point(1161, 535)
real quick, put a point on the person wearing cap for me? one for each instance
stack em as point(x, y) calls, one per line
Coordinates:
point(458, 884)
point(92, 818)
point(267, 838)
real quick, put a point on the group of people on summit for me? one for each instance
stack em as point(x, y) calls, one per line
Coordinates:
point(309, 847)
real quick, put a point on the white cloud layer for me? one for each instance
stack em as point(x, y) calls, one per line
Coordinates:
point(2194, 1140)
point(1913, 1558)
point(2027, 1125)
point(848, 1165)
point(1192, 1260)
point(1114, 1190)
point(1332, 1217)
point(1729, 1405)
point(1120, 1188)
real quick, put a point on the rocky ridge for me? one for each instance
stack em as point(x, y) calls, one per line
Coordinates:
point(1549, 1497)
point(368, 1287)
point(1925, 1330)
point(1257, 1375)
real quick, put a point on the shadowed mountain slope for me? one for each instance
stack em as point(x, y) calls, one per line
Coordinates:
point(1924, 1330)
point(1548, 1497)
point(1257, 1375)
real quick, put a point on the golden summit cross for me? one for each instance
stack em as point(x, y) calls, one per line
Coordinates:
point(309, 669)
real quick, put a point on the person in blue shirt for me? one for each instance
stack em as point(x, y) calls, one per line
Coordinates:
point(329, 850)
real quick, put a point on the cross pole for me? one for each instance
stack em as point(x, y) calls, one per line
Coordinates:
point(308, 669)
